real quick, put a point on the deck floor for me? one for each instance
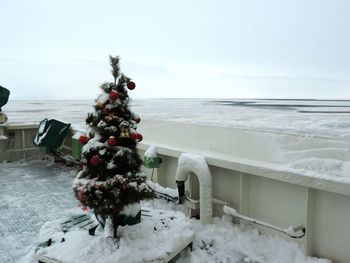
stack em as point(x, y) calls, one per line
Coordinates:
point(39, 191)
point(31, 194)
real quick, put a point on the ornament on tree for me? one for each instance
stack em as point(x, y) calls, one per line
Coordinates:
point(124, 133)
point(113, 95)
point(81, 196)
point(136, 136)
point(100, 105)
point(110, 177)
point(131, 85)
point(83, 139)
point(136, 118)
point(95, 160)
point(110, 117)
point(81, 165)
point(112, 141)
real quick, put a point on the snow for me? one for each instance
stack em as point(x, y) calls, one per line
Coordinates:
point(103, 98)
point(151, 152)
point(108, 231)
point(131, 209)
point(294, 136)
point(223, 241)
point(143, 242)
point(2, 137)
point(291, 231)
point(102, 152)
point(285, 118)
point(197, 164)
point(39, 199)
point(77, 135)
point(325, 168)
point(230, 211)
point(163, 190)
point(92, 144)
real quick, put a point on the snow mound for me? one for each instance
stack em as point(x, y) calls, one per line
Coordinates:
point(223, 241)
point(159, 234)
point(323, 167)
point(151, 152)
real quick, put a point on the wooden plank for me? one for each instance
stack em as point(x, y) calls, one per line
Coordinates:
point(174, 253)
point(44, 259)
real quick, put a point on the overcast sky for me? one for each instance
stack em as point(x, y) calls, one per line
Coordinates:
point(177, 48)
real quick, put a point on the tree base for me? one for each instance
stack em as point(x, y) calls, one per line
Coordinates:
point(130, 215)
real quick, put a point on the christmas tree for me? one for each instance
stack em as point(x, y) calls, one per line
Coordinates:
point(109, 180)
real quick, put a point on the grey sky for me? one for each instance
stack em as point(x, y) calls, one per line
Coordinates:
point(232, 49)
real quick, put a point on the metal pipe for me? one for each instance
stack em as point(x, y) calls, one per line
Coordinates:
point(190, 163)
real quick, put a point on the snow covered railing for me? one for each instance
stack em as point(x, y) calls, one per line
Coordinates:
point(268, 192)
point(263, 169)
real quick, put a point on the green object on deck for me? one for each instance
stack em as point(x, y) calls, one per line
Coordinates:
point(151, 162)
point(51, 134)
point(44, 150)
point(76, 149)
point(4, 96)
point(124, 220)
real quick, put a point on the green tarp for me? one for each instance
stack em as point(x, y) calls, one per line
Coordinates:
point(4, 96)
point(51, 133)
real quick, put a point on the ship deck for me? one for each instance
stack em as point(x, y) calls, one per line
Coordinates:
point(31, 194)
point(38, 191)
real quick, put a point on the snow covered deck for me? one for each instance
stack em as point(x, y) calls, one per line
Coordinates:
point(31, 194)
point(38, 191)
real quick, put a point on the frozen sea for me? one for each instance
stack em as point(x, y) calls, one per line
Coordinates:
point(311, 117)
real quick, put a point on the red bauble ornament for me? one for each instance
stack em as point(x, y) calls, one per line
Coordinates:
point(112, 141)
point(136, 136)
point(83, 139)
point(95, 160)
point(131, 85)
point(113, 95)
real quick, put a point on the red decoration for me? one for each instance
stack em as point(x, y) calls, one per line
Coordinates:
point(95, 160)
point(81, 165)
point(136, 136)
point(113, 95)
point(112, 141)
point(81, 197)
point(83, 139)
point(131, 85)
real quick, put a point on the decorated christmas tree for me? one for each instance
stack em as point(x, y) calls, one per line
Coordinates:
point(109, 180)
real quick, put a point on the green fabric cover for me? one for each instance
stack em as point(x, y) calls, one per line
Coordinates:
point(51, 133)
point(4, 96)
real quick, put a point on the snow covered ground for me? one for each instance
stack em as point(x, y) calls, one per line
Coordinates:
point(310, 117)
point(35, 192)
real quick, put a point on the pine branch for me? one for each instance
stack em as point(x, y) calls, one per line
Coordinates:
point(114, 62)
